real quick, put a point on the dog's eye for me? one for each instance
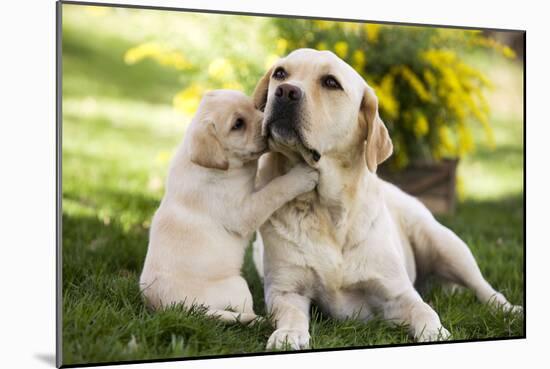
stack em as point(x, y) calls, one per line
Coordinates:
point(331, 83)
point(238, 125)
point(280, 74)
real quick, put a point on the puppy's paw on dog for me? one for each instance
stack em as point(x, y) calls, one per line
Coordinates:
point(305, 176)
point(292, 339)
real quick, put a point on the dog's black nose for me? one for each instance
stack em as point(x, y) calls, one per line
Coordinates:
point(288, 92)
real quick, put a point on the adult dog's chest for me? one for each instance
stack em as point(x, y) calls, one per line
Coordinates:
point(320, 239)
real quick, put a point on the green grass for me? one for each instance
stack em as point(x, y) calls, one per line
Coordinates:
point(119, 131)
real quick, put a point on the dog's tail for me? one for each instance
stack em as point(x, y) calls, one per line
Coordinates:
point(258, 254)
point(233, 317)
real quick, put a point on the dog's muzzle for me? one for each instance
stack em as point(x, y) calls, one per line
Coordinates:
point(284, 123)
point(283, 120)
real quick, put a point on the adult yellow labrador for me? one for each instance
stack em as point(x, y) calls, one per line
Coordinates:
point(356, 244)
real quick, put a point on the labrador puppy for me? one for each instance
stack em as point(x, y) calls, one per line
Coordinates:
point(356, 244)
point(210, 210)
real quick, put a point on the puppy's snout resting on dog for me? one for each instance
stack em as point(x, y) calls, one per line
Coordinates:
point(210, 210)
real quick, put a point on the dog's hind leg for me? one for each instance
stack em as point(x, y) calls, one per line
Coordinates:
point(438, 250)
point(451, 259)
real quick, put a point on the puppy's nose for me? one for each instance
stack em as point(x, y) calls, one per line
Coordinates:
point(288, 92)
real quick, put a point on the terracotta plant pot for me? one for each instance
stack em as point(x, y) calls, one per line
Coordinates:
point(433, 183)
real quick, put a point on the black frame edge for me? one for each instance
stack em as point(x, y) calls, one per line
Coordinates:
point(232, 12)
point(58, 187)
point(525, 184)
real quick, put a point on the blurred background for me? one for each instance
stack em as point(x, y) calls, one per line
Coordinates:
point(132, 79)
point(444, 93)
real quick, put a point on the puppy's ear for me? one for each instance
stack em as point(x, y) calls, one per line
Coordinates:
point(379, 145)
point(205, 148)
point(260, 92)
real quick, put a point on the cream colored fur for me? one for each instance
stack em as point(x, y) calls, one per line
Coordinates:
point(356, 244)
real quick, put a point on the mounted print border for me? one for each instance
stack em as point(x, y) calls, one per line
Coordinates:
point(131, 77)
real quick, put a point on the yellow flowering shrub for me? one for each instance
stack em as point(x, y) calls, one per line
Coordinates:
point(163, 54)
point(341, 49)
point(188, 99)
point(428, 95)
point(211, 52)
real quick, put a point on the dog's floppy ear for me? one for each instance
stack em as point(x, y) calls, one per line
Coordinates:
point(379, 145)
point(205, 148)
point(260, 92)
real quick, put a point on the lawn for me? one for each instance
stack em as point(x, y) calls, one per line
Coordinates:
point(119, 131)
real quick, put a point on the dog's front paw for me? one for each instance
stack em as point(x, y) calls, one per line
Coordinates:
point(438, 334)
point(292, 339)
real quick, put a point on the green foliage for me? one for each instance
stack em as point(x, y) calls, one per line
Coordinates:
point(428, 95)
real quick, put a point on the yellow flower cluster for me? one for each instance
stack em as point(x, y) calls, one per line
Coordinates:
point(321, 46)
point(188, 99)
point(446, 145)
point(471, 38)
point(465, 139)
point(373, 30)
point(460, 87)
point(341, 49)
point(220, 69)
point(416, 84)
point(493, 44)
point(281, 46)
point(359, 60)
point(158, 52)
point(163, 157)
point(429, 77)
point(221, 74)
point(421, 125)
point(386, 97)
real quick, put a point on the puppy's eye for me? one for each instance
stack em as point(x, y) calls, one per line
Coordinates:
point(238, 125)
point(331, 83)
point(280, 74)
